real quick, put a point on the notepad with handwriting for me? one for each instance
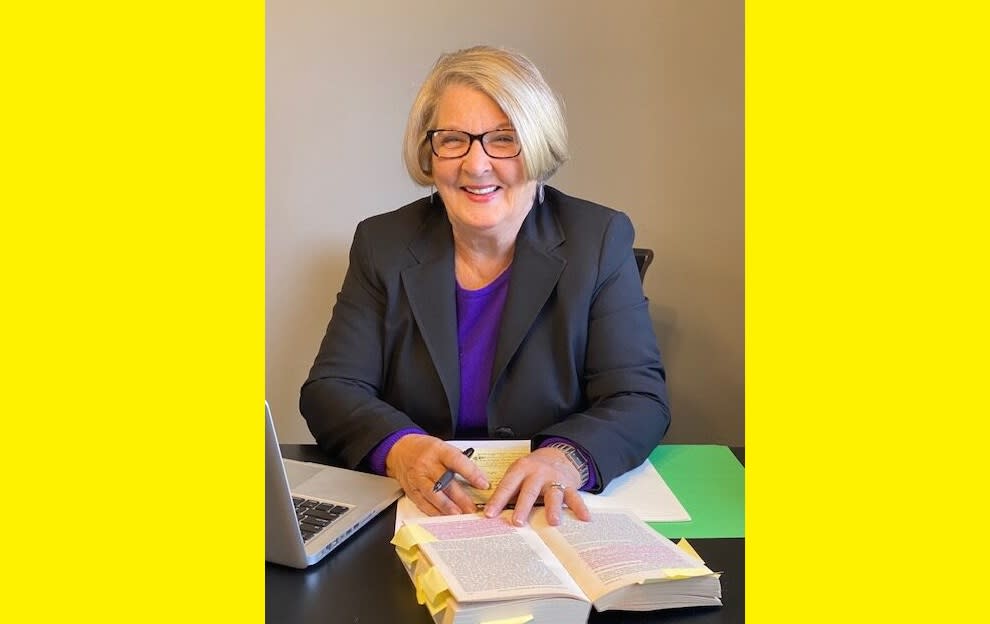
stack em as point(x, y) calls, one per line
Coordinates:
point(641, 490)
point(469, 569)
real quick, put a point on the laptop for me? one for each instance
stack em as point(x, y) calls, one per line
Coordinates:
point(310, 509)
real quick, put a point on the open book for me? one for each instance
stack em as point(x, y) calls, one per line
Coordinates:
point(468, 569)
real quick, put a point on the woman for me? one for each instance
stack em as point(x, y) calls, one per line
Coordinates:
point(496, 307)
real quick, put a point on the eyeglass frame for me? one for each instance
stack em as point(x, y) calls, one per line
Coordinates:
point(471, 139)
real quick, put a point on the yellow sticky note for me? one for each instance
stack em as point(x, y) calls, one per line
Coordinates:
point(519, 619)
point(408, 557)
point(433, 583)
point(411, 535)
point(432, 590)
point(438, 605)
point(680, 573)
point(404, 538)
point(421, 567)
point(689, 550)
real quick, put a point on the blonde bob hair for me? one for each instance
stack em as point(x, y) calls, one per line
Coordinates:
point(515, 84)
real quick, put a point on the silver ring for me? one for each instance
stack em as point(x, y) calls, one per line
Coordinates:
point(557, 485)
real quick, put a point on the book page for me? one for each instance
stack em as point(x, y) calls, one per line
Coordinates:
point(613, 550)
point(490, 559)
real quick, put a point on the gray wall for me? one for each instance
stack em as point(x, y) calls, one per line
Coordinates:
point(654, 97)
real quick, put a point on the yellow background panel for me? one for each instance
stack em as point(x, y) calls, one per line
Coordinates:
point(866, 311)
point(133, 255)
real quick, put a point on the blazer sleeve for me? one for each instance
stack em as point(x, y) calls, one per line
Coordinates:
point(339, 399)
point(627, 412)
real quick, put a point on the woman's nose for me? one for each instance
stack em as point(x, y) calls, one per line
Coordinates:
point(476, 161)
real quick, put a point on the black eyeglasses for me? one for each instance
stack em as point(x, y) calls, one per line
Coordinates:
point(501, 143)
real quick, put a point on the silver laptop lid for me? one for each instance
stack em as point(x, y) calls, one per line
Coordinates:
point(366, 495)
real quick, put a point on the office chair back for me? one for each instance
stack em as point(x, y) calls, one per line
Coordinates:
point(643, 259)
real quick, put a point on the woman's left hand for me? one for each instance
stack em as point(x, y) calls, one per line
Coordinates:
point(546, 472)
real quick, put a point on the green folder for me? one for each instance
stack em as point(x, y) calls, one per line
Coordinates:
point(708, 481)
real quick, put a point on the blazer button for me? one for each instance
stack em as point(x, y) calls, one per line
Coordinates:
point(505, 433)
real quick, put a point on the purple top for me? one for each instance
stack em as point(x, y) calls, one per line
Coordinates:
point(376, 458)
point(479, 315)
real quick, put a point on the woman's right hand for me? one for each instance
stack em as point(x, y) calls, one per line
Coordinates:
point(417, 461)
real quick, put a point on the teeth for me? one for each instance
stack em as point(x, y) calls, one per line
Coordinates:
point(481, 191)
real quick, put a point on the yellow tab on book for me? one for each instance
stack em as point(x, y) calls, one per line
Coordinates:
point(434, 589)
point(438, 606)
point(681, 573)
point(519, 619)
point(425, 583)
point(433, 607)
point(688, 549)
point(407, 557)
point(433, 583)
point(411, 535)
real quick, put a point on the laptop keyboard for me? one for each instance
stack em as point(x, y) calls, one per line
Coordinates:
point(315, 515)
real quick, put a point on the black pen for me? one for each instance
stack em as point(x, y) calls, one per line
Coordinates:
point(446, 477)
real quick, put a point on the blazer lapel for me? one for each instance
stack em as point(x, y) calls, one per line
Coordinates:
point(535, 271)
point(429, 288)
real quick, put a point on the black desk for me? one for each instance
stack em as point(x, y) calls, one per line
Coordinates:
point(362, 581)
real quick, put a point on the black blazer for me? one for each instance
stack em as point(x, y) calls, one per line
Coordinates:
point(576, 355)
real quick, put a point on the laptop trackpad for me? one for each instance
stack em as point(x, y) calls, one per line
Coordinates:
point(298, 472)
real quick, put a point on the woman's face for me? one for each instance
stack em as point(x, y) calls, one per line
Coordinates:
point(483, 195)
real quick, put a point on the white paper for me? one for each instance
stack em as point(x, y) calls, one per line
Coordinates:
point(643, 491)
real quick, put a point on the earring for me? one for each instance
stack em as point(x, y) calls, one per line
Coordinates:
point(539, 192)
point(433, 190)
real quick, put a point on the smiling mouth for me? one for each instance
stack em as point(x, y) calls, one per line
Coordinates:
point(480, 190)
